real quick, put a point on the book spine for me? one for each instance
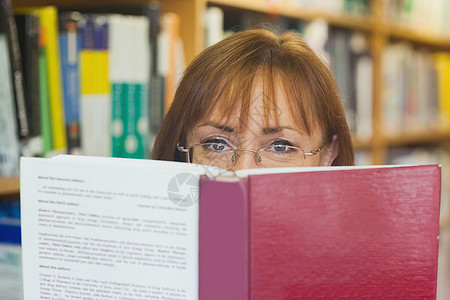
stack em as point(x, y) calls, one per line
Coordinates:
point(341, 58)
point(16, 68)
point(103, 111)
point(214, 25)
point(410, 100)
point(69, 46)
point(432, 94)
point(442, 61)
point(137, 125)
point(117, 125)
point(95, 97)
point(153, 13)
point(224, 258)
point(28, 34)
point(27, 27)
point(391, 98)
point(46, 126)
point(410, 97)
point(32, 59)
point(116, 71)
point(131, 141)
point(364, 92)
point(104, 88)
point(86, 85)
point(49, 18)
point(9, 146)
point(136, 130)
point(170, 31)
point(102, 85)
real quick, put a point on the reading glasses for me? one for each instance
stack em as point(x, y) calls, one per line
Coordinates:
point(224, 156)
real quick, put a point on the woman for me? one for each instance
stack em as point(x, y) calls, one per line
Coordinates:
point(256, 99)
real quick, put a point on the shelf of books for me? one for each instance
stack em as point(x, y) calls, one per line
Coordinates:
point(96, 77)
point(372, 57)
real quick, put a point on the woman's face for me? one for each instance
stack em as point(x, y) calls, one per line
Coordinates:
point(279, 140)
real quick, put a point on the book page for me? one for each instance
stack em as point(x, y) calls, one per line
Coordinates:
point(109, 230)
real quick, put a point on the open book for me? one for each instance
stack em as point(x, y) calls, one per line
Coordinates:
point(108, 228)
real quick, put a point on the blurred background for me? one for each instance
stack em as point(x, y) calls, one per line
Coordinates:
point(97, 77)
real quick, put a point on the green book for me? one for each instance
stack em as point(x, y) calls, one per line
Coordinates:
point(46, 127)
point(118, 93)
point(136, 128)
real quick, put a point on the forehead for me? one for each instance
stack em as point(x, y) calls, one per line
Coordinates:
point(264, 108)
point(269, 94)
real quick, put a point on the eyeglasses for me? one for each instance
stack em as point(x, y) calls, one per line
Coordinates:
point(224, 156)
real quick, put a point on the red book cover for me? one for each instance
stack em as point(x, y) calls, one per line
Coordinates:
point(369, 233)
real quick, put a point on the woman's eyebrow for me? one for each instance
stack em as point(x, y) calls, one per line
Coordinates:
point(278, 129)
point(218, 126)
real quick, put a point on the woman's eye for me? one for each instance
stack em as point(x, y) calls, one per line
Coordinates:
point(217, 144)
point(281, 146)
point(219, 147)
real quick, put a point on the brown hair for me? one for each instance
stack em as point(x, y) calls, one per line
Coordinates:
point(223, 76)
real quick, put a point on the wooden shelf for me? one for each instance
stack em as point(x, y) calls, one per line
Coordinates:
point(9, 186)
point(355, 22)
point(428, 137)
point(362, 144)
point(375, 25)
point(415, 36)
point(74, 4)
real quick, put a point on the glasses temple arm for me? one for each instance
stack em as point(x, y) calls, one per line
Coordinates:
point(315, 152)
point(181, 148)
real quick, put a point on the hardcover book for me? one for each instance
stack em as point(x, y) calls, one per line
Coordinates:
point(28, 34)
point(69, 41)
point(129, 74)
point(142, 229)
point(16, 68)
point(9, 137)
point(95, 102)
point(51, 94)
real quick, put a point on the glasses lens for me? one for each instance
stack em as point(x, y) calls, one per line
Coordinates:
point(281, 156)
point(212, 154)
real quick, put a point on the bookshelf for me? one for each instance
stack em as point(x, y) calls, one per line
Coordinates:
point(375, 25)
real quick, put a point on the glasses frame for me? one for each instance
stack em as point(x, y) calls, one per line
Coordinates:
point(258, 158)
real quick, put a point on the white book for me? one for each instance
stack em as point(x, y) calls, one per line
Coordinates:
point(95, 112)
point(393, 96)
point(213, 25)
point(93, 233)
point(9, 142)
point(364, 97)
point(95, 98)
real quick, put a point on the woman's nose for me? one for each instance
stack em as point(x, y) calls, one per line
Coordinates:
point(245, 160)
